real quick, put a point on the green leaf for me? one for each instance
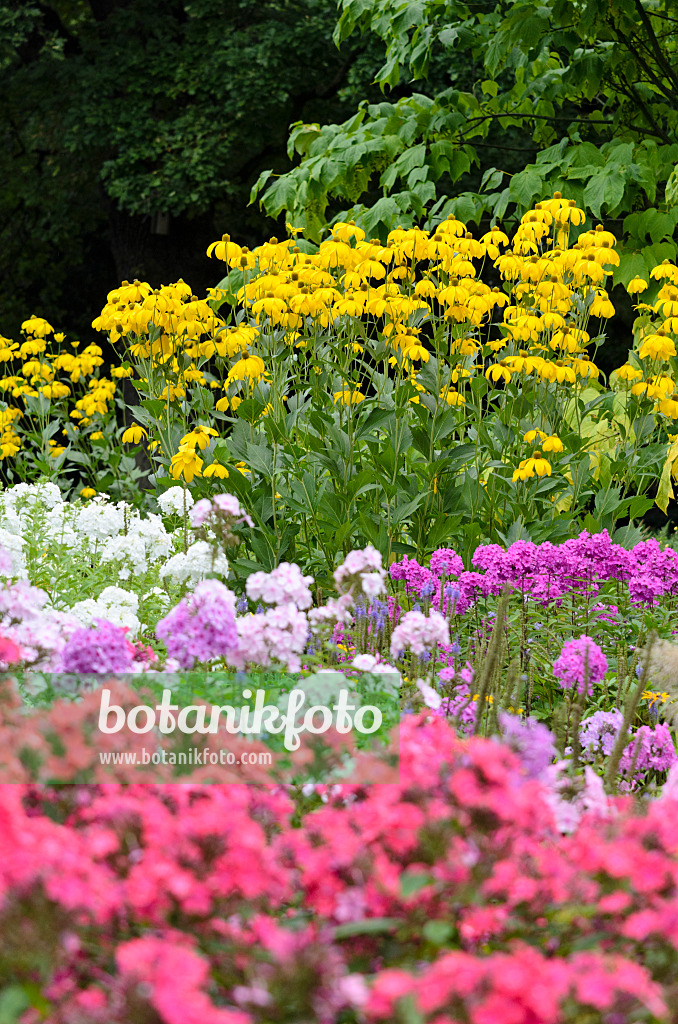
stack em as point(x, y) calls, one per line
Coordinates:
point(639, 506)
point(412, 882)
point(368, 926)
point(437, 932)
point(525, 186)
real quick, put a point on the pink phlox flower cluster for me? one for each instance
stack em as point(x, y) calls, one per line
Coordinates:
point(284, 584)
point(202, 626)
point(361, 572)
point(39, 632)
point(224, 505)
point(280, 634)
point(523, 986)
point(581, 664)
point(337, 609)
point(419, 633)
point(175, 977)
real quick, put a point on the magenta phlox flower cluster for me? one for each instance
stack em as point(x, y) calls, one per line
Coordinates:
point(460, 709)
point(581, 664)
point(202, 626)
point(446, 562)
point(651, 749)
point(414, 575)
point(419, 633)
point(545, 572)
point(103, 648)
point(278, 634)
point(286, 583)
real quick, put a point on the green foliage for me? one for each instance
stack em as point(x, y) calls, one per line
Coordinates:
point(594, 85)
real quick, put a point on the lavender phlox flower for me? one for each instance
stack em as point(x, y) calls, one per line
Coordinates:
point(101, 649)
point(532, 740)
point(461, 709)
point(202, 626)
point(598, 734)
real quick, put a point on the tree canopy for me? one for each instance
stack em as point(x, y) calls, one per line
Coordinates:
point(592, 86)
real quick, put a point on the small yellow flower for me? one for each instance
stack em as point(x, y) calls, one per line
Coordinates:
point(657, 346)
point(134, 434)
point(36, 326)
point(198, 437)
point(248, 367)
point(669, 407)
point(216, 469)
point(186, 463)
point(498, 372)
point(628, 372)
point(56, 451)
point(532, 435)
point(242, 467)
point(528, 467)
point(88, 492)
point(636, 285)
point(348, 397)
point(552, 443)
point(96, 436)
point(452, 397)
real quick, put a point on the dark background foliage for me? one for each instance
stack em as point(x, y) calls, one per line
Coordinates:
point(131, 132)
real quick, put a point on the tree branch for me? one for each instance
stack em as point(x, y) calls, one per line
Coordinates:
point(656, 49)
point(630, 92)
point(668, 93)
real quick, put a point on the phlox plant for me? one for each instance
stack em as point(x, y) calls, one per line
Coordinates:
point(555, 633)
point(452, 895)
